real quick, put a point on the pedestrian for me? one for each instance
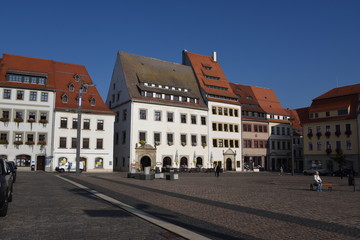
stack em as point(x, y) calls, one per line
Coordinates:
point(281, 171)
point(217, 170)
point(318, 181)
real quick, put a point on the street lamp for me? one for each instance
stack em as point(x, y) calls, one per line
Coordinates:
point(292, 145)
point(79, 110)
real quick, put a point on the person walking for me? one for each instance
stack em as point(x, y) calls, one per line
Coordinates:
point(318, 181)
point(217, 170)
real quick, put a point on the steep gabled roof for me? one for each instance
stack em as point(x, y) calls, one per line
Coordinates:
point(268, 101)
point(210, 76)
point(246, 97)
point(157, 76)
point(58, 75)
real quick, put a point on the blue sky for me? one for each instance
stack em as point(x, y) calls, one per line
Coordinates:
point(298, 48)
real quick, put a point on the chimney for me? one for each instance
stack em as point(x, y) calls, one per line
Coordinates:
point(214, 56)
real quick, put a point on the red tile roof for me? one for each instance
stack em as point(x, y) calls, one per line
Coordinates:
point(340, 91)
point(206, 68)
point(59, 76)
point(268, 101)
point(246, 97)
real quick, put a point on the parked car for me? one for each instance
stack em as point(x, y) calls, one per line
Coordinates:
point(322, 171)
point(344, 172)
point(70, 167)
point(13, 169)
point(6, 187)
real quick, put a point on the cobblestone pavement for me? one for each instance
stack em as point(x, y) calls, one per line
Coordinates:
point(46, 207)
point(233, 206)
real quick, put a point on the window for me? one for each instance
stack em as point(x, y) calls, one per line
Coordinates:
point(33, 96)
point(30, 139)
point(348, 145)
point(42, 139)
point(142, 136)
point(44, 97)
point(74, 123)
point(310, 146)
point(99, 163)
point(7, 94)
point(62, 142)
point(215, 143)
point(220, 111)
point(18, 137)
point(184, 99)
point(92, 101)
point(20, 95)
point(193, 119)
point(220, 127)
point(342, 112)
point(203, 141)
point(236, 128)
point(71, 87)
point(157, 139)
point(73, 142)
point(123, 139)
point(203, 120)
point(231, 112)
point(170, 117)
point(86, 143)
point(183, 118)
point(170, 139)
point(86, 124)
point(3, 137)
point(236, 112)
point(124, 114)
point(214, 110)
point(193, 140)
point(225, 111)
point(214, 126)
point(319, 146)
point(99, 143)
point(183, 139)
point(32, 117)
point(100, 124)
point(157, 116)
point(220, 143)
point(142, 114)
point(6, 114)
point(19, 115)
point(63, 122)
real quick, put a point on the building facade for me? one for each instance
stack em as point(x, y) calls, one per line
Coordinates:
point(37, 95)
point(255, 127)
point(161, 117)
point(331, 124)
point(224, 111)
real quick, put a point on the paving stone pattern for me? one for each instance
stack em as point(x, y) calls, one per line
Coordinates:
point(233, 206)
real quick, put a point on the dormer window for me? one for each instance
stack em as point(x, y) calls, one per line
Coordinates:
point(207, 67)
point(92, 101)
point(71, 87)
point(65, 98)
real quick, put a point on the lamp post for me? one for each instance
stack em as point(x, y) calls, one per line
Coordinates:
point(292, 145)
point(79, 110)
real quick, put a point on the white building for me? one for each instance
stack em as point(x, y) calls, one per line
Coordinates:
point(36, 96)
point(161, 117)
point(224, 111)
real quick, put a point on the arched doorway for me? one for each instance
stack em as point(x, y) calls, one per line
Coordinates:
point(199, 162)
point(184, 162)
point(145, 162)
point(167, 162)
point(228, 164)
